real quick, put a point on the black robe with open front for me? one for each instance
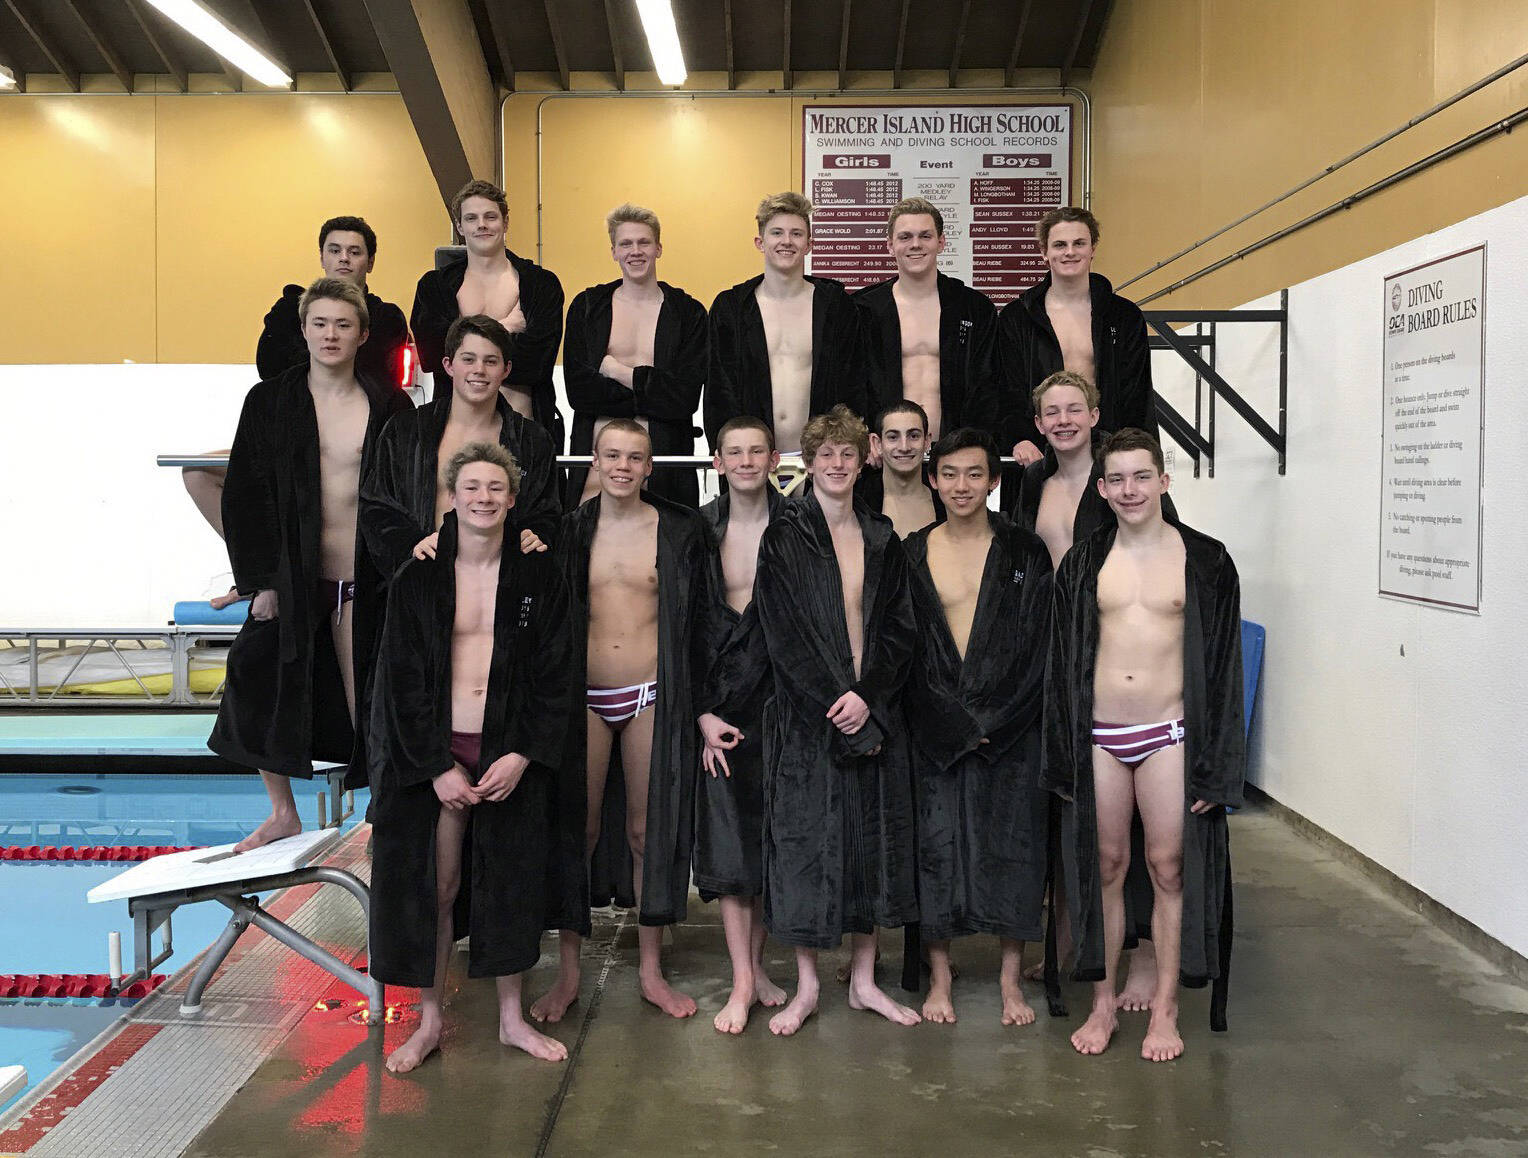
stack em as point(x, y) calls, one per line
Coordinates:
point(398, 492)
point(684, 607)
point(666, 394)
point(435, 308)
point(968, 371)
point(283, 703)
point(983, 826)
point(729, 811)
point(1214, 750)
point(380, 357)
point(839, 826)
point(518, 877)
point(738, 379)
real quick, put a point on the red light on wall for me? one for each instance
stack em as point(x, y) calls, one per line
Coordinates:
point(410, 359)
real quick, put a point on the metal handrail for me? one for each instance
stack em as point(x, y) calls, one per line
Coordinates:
point(690, 460)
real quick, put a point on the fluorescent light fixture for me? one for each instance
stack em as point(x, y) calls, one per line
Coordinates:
point(224, 41)
point(7, 77)
point(662, 40)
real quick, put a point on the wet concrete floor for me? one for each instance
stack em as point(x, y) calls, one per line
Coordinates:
point(1356, 1028)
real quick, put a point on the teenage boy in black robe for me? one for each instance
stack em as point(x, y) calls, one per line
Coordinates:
point(638, 573)
point(301, 662)
point(836, 632)
point(636, 348)
point(899, 487)
point(784, 346)
point(929, 337)
point(514, 291)
point(468, 727)
point(729, 810)
point(1144, 710)
point(982, 591)
point(404, 495)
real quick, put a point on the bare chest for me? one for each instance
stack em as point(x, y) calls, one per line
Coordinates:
point(788, 327)
point(623, 566)
point(740, 560)
point(849, 549)
point(1057, 515)
point(494, 294)
point(909, 512)
point(1142, 587)
point(919, 322)
point(957, 573)
point(476, 601)
point(633, 329)
point(341, 433)
point(1074, 332)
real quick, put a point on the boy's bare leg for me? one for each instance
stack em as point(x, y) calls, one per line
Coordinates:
point(205, 486)
point(1141, 978)
point(804, 1004)
point(767, 992)
point(864, 993)
point(1114, 795)
point(283, 820)
point(554, 1003)
point(737, 925)
point(1159, 793)
point(939, 1006)
point(1016, 1011)
point(450, 829)
point(636, 758)
point(516, 1031)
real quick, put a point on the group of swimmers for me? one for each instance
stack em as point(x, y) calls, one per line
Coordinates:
point(845, 695)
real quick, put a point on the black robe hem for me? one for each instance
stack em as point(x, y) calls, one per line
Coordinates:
point(714, 888)
point(936, 929)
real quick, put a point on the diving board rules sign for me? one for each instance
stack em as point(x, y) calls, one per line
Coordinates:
point(993, 171)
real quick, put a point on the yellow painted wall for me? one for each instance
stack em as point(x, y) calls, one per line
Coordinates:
point(174, 220)
point(1207, 109)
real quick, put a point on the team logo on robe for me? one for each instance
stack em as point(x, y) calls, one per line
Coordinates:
point(1018, 576)
point(966, 326)
point(525, 610)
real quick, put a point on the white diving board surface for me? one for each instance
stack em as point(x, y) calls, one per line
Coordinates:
point(217, 865)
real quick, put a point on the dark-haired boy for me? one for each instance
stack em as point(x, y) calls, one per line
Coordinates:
point(899, 488)
point(1144, 711)
point(836, 633)
point(404, 495)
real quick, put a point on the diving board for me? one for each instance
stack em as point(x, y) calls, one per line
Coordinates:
point(155, 888)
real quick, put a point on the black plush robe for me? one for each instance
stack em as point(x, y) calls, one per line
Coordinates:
point(729, 812)
point(517, 876)
point(666, 394)
point(435, 309)
point(684, 606)
point(839, 839)
point(398, 492)
point(983, 843)
point(1092, 508)
point(738, 380)
point(380, 357)
point(968, 374)
point(283, 704)
point(1214, 755)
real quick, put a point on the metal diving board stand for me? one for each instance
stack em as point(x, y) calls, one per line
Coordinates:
point(155, 888)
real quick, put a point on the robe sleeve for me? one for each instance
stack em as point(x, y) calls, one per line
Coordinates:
point(1024, 696)
point(1016, 418)
point(941, 724)
point(671, 393)
point(740, 666)
point(1134, 399)
point(538, 506)
point(409, 706)
point(850, 361)
point(798, 647)
point(884, 670)
point(589, 391)
point(981, 405)
point(281, 344)
point(536, 345)
point(1222, 758)
point(388, 525)
point(429, 324)
point(251, 521)
point(1058, 768)
point(382, 354)
point(539, 731)
point(723, 362)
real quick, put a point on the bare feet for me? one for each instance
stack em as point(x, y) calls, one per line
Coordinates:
point(276, 826)
point(659, 992)
point(794, 1015)
point(938, 1006)
point(553, 1004)
point(874, 999)
point(218, 602)
point(733, 1017)
point(411, 1053)
point(1016, 1011)
point(1095, 1033)
point(1141, 982)
point(1162, 1041)
point(766, 991)
point(522, 1036)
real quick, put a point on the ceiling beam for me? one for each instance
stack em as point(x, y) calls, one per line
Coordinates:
point(615, 47)
point(1018, 42)
point(785, 49)
point(896, 66)
point(244, 18)
point(496, 20)
point(1071, 53)
point(433, 51)
point(731, 65)
point(171, 64)
point(557, 45)
point(843, 45)
point(960, 40)
point(327, 42)
point(61, 63)
point(113, 61)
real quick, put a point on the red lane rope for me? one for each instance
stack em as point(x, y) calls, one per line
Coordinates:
point(122, 852)
point(72, 985)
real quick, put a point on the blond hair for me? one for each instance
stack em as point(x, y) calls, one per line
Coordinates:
point(912, 205)
point(489, 452)
point(1065, 378)
point(629, 214)
point(788, 202)
point(838, 425)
